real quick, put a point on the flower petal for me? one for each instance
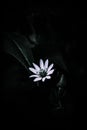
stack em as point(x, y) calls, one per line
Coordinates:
point(46, 64)
point(50, 72)
point(37, 79)
point(33, 70)
point(50, 67)
point(41, 64)
point(43, 79)
point(36, 67)
point(48, 77)
point(31, 76)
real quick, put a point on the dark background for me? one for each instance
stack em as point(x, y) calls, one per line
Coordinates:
point(62, 32)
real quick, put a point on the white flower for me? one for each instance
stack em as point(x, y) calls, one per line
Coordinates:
point(43, 72)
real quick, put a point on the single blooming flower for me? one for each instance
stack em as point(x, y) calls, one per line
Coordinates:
point(43, 72)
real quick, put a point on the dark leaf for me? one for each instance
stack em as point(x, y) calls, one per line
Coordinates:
point(19, 47)
point(59, 61)
point(62, 81)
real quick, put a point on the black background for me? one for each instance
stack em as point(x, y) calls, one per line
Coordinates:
point(68, 27)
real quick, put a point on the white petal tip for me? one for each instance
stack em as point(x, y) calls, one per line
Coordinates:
point(41, 64)
point(48, 77)
point(37, 79)
point(46, 64)
point(50, 72)
point(43, 79)
point(32, 70)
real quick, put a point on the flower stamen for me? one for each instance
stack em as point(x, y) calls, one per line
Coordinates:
point(42, 73)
